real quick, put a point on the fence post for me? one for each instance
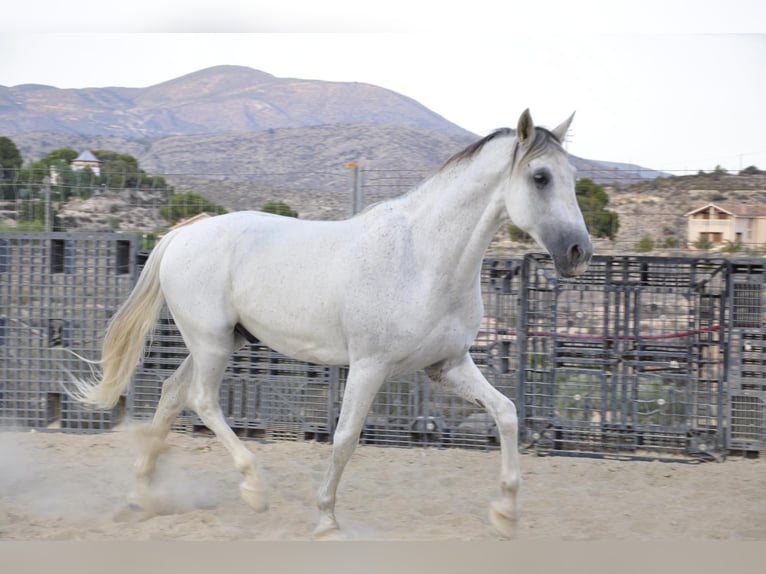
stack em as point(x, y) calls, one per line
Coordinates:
point(357, 193)
point(47, 190)
point(521, 337)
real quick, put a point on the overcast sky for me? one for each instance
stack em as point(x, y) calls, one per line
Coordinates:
point(650, 92)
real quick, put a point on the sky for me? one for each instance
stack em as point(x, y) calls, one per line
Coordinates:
point(670, 85)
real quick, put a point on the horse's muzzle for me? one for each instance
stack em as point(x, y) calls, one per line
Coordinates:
point(575, 259)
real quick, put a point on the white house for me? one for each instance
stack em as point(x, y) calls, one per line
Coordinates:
point(86, 159)
point(722, 222)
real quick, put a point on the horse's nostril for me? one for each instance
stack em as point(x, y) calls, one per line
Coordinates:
point(576, 253)
point(579, 254)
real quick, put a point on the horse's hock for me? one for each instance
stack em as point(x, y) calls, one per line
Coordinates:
point(640, 356)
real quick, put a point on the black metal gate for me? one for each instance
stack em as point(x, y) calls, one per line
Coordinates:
point(629, 356)
point(57, 290)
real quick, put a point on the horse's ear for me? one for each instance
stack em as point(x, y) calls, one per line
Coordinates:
point(561, 131)
point(525, 128)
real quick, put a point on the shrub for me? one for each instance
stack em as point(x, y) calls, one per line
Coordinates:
point(703, 243)
point(645, 244)
point(593, 199)
point(732, 247)
point(188, 204)
point(671, 242)
point(279, 208)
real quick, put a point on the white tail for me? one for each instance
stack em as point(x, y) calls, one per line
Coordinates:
point(125, 337)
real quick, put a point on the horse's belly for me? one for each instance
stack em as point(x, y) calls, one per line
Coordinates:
point(305, 349)
point(295, 328)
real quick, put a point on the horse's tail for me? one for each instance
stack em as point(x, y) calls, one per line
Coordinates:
point(125, 336)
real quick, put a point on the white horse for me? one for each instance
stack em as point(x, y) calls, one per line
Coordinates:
point(390, 291)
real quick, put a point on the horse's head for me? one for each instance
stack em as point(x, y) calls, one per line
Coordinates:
point(541, 196)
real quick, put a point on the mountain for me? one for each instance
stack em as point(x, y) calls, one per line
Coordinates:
point(243, 137)
point(236, 132)
point(221, 99)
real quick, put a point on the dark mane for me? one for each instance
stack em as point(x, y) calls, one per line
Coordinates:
point(541, 139)
point(477, 146)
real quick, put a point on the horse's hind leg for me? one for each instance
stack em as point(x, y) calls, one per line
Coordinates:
point(465, 379)
point(203, 398)
point(151, 438)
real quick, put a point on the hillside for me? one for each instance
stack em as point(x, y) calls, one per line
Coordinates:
point(235, 120)
point(214, 100)
point(308, 159)
point(657, 207)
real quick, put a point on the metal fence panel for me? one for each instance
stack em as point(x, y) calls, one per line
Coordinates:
point(58, 290)
point(746, 411)
point(627, 356)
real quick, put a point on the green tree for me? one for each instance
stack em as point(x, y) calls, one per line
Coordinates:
point(54, 165)
point(10, 162)
point(118, 170)
point(279, 208)
point(66, 154)
point(121, 171)
point(593, 200)
point(82, 182)
point(187, 204)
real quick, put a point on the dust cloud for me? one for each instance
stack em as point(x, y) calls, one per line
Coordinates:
point(94, 482)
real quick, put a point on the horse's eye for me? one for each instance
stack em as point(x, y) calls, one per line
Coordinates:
point(541, 178)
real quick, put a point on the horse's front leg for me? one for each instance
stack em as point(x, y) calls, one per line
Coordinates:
point(464, 379)
point(362, 384)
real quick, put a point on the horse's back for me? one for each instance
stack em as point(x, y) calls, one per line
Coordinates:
point(272, 274)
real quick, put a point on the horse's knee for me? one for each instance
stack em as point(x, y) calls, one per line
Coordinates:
point(506, 417)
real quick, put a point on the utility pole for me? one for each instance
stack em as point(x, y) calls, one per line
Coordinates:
point(47, 189)
point(357, 193)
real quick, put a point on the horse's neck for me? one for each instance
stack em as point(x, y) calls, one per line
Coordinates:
point(458, 211)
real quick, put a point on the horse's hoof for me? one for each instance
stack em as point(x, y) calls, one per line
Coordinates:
point(255, 497)
point(504, 518)
point(327, 529)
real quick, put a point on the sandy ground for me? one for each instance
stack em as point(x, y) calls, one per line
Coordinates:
point(56, 486)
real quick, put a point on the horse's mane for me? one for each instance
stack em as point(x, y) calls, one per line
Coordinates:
point(477, 146)
point(542, 139)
